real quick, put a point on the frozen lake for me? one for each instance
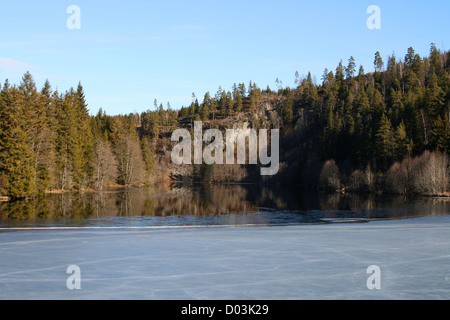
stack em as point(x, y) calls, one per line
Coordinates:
point(224, 243)
point(324, 261)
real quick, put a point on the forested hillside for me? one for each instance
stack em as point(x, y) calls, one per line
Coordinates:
point(388, 129)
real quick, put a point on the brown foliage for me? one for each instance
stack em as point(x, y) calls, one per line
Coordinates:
point(329, 176)
point(427, 174)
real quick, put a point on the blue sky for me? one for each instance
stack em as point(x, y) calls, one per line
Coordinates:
point(128, 53)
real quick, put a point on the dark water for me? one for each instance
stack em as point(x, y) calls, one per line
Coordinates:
point(203, 204)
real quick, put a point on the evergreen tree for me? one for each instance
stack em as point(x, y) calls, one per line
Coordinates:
point(339, 73)
point(229, 104)
point(310, 95)
point(404, 145)
point(351, 68)
point(237, 97)
point(324, 77)
point(385, 142)
point(242, 90)
point(48, 140)
point(409, 57)
point(65, 139)
point(148, 157)
point(16, 156)
point(255, 94)
point(440, 135)
point(349, 120)
point(434, 98)
point(288, 112)
point(163, 116)
point(378, 62)
point(84, 144)
point(396, 106)
point(435, 61)
point(205, 107)
point(184, 112)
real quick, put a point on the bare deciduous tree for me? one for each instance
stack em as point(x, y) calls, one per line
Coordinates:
point(427, 174)
point(131, 166)
point(105, 164)
point(329, 176)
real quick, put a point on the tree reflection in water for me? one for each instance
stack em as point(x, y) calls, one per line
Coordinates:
point(232, 203)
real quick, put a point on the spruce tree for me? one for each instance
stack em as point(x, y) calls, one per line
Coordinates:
point(85, 136)
point(351, 68)
point(16, 156)
point(378, 62)
point(404, 145)
point(288, 112)
point(385, 142)
point(434, 98)
point(440, 135)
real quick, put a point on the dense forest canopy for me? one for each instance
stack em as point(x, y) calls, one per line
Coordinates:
point(352, 123)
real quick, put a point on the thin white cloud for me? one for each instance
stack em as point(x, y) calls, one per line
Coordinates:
point(11, 65)
point(14, 70)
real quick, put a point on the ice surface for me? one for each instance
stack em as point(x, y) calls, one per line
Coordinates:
point(327, 261)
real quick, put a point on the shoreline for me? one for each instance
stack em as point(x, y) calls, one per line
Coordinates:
point(117, 189)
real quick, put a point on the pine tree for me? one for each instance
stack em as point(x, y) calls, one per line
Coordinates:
point(339, 73)
point(65, 133)
point(362, 102)
point(288, 111)
point(310, 96)
point(440, 135)
point(349, 120)
point(222, 104)
point(396, 105)
point(213, 108)
point(229, 104)
point(238, 102)
point(409, 57)
point(38, 123)
point(184, 112)
point(32, 115)
point(84, 146)
point(148, 157)
point(255, 94)
point(378, 62)
point(155, 126)
point(16, 156)
point(434, 98)
point(351, 68)
point(385, 141)
point(205, 107)
point(163, 115)
point(435, 60)
point(404, 145)
point(324, 77)
point(242, 90)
